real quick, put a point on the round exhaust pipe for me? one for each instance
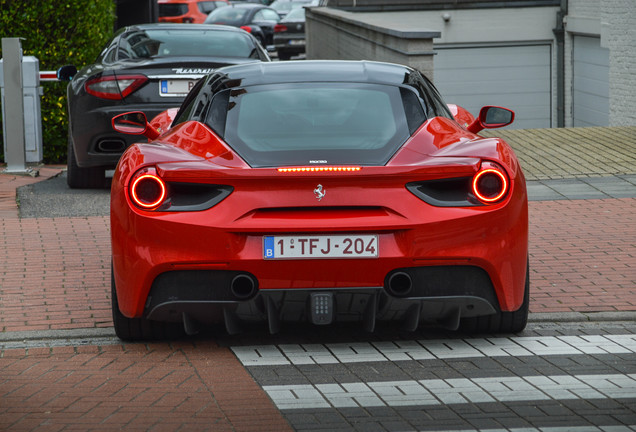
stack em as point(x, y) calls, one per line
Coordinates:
point(243, 286)
point(400, 284)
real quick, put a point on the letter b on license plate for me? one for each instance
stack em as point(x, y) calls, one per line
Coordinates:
point(320, 246)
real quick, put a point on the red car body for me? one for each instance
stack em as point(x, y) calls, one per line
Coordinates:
point(187, 11)
point(451, 263)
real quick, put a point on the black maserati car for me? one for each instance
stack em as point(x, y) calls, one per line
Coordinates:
point(256, 19)
point(149, 68)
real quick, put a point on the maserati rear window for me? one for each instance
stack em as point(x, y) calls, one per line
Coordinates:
point(330, 123)
point(144, 44)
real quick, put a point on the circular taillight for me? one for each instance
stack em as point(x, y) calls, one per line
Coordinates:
point(490, 185)
point(148, 191)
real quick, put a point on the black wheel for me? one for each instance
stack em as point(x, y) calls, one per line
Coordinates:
point(140, 329)
point(501, 322)
point(82, 178)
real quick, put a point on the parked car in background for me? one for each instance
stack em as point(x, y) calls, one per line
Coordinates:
point(256, 19)
point(283, 7)
point(150, 68)
point(187, 11)
point(289, 34)
point(323, 192)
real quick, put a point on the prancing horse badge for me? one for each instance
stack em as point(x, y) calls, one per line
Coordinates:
point(319, 192)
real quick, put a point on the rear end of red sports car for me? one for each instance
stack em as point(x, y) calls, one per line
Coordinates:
point(320, 192)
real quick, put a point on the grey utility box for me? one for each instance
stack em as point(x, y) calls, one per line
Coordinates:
point(31, 92)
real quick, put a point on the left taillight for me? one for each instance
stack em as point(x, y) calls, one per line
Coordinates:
point(278, 28)
point(147, 190)
point(114, 87)
point(247, 28)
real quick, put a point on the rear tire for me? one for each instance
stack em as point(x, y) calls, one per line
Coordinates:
point(82, 178)
point(140, 329)
point(501, 322)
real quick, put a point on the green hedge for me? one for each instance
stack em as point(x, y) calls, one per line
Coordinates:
point(57, 32)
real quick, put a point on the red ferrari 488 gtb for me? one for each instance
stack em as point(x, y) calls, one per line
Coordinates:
point(317, 191)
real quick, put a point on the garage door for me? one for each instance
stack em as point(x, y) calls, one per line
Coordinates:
point(516, 77)
point(590, 98)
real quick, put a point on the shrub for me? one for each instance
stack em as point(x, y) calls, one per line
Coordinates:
point(57, 32)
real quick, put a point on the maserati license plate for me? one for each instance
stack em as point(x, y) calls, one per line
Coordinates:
point(175, 87)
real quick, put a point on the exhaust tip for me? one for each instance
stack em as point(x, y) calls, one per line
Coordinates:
point(400, 284)
point(243, 286)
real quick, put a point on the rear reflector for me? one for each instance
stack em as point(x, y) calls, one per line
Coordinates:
point(320, 169)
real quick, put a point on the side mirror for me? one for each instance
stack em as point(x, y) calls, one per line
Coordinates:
point(66, 73)
point(134, 123)
point(491, 117)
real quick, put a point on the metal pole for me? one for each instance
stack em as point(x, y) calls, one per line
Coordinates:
point(13, 106)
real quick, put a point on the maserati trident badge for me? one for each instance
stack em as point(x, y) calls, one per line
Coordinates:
point(319, 192)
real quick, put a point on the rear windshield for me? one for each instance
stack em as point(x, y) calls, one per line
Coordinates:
point(167, 43)
point(330, 123)
point(227, 15)
point(208, 6)
point(172, 9)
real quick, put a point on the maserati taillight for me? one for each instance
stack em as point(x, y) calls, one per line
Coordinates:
point(114, 87)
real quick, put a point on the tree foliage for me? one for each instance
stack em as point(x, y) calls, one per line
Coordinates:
point(57, 32)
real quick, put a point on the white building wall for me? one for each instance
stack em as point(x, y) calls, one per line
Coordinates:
point(473, 28)
point(618, 33)
point(614, 22)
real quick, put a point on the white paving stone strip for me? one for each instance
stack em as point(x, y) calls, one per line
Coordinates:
point(453, 391)
point(300, 354)
point(620, 428)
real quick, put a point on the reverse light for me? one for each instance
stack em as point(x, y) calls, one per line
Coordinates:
point(490, 184)
point(320, 169)
point(113, 87)
point(147, 190)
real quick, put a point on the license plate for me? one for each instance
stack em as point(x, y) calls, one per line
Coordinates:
point(297, 42)
point(320, 246)
point(175, 87)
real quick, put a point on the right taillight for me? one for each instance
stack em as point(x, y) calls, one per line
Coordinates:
point(113, 87)
point(490, 184)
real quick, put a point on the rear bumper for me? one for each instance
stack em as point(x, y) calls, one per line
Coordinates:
point(290, 44)
point(439, 294)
